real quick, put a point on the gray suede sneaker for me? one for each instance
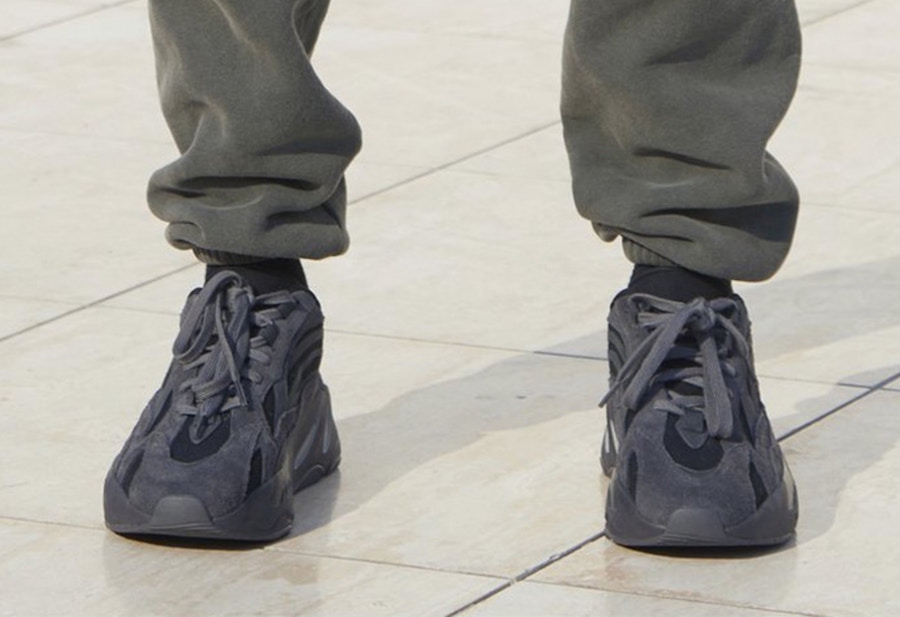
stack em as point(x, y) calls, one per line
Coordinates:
point(241, 422)
point(688, 446)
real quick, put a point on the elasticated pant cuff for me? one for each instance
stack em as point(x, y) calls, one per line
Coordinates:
point(221, 258)
point(641, 255)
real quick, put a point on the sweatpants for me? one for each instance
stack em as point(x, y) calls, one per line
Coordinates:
point(667, 107)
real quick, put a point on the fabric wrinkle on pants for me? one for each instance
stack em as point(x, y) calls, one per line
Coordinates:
point(667, 107)
point(263, 144)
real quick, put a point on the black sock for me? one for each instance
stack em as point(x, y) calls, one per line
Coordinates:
point(677, 284)
point(267, 276)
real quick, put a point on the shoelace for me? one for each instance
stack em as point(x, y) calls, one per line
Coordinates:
point(215, 339)
point(700, 364)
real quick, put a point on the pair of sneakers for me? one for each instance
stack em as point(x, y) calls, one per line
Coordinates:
point(243, 421)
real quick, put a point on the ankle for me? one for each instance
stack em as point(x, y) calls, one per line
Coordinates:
point(267, 275)
point(676, 284)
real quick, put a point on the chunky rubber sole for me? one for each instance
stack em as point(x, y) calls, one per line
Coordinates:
point(311, 453)
point(772, 524)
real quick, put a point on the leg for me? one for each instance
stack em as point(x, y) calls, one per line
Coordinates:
point(667, 107)
point(242, 419)
point(263, 144)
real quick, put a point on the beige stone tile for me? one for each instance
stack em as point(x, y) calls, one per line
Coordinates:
point(456, 457)
point(419, 95)
point(166, 295)
point(364, 179)
point(50, 570)
point(52, 80)
point(526, 19)
point(878, 192)
point(504, 452)
point(83, 416)
point(863, 37)
point(367, 374)
point(69, 395)
point(77, 227)
point(430, 411)
point(893, 385)
point(791, 404)
point(459, 257)
point(840, 130)
point(862, 359)
point(474, 259)
point(502, 502)
point(17, 314)
point(812, 11)
point(543, 600)
point(23, 15)
point(831, 240)
point(427, 99)
point(846, 469)
point(538, 155)
point(828, 315)
point(848, 84)
point(489, 472)
point(436, 424)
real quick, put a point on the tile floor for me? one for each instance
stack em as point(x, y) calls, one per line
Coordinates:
point(468, 410)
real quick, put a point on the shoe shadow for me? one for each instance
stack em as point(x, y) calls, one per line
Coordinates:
point(820, 309)
point(834, 455)
point(385, 445)
point(720, 553)
point(204, 544)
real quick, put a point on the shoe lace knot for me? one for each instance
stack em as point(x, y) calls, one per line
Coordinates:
point(689, 350)
point(226, 334)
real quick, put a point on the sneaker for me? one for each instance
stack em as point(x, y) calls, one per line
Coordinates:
point(688, 446)
point(242, 421)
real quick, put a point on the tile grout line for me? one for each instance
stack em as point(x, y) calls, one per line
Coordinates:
point(31, 521)
point(427, 341)
point(818, 382)
point(449, 164)
point(94, 303)
point(378, 562)
point(63, 20)
point(868, 392)
point(86, 135)
point(644, 594)
point(574, 356)
point(526, 574)
point(553, 559)
point(819, 204)
point(846, 9)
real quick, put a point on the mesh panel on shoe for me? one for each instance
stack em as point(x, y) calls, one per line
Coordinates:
point(254, 477)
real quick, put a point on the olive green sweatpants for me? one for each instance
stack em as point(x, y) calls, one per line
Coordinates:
point(667, 107)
